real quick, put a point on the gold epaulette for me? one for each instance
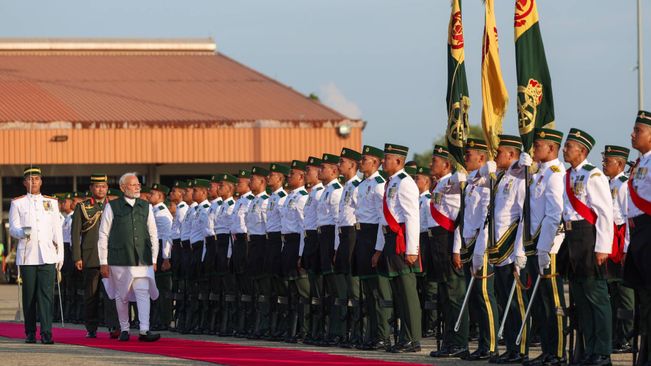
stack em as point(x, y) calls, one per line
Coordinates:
point(50, 197)
point(595, 174)
point(555, 169)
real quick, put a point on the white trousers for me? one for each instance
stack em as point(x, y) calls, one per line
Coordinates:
point(141, 290)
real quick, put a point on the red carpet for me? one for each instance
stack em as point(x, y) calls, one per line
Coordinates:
point(220, 353)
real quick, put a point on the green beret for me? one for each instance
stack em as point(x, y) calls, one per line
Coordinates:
point(180, 184)
point(115, 192)
point(312, 161)
point(203, 183)
point(32, 170)
point(373, 151)
point(144, 189)
point(511, 141)
point(243, 173)
point(423, 171)
point(547, 134)
point(350, 154)
point(279, 168)
point(225, 177)
point(614, 151)
point(581, 137)
point(162, 188)
point(440, 151)
point(299, 165)
point(396, 149)
point(476, 144)
point(643, 117)
point(330, 159)
point(98, 178)
point(410, 170)
point(256, 170)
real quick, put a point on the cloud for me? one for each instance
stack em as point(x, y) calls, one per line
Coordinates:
point(335, 99)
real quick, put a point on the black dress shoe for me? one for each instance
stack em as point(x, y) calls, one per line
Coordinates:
point(376, 345)
point(452, 351)
point(538, 361)
point(493, 357)
point(46, 338)
point(555, 361)
point(30, 338)
point(406, 347)
point(124, 336)
point(511, 357)
point(149, 337)
point(479, 354)
point(91, 334)
point(598, 360)
point(623, 348)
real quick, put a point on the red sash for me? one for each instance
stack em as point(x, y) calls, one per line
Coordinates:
point(398, 229)
point(639, 202)
point(581, 208)
point(440, 218)
point(618, 244)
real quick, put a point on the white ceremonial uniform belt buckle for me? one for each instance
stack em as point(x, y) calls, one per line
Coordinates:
point(568, 225)
point(318, 230)
point(358, 226)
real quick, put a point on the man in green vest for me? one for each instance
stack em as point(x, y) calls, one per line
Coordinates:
point(128, 251)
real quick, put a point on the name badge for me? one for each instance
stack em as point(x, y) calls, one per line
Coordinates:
point(392, 192)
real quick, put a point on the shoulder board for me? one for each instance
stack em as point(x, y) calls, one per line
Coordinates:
point(623, 178)
point(206, 205)
point(428, 195)
point(356, 183)
point(588, 167)
point(402, 175)
point(264, 197)
point(250, 197)
point(19, 197)
point(161, 208)
point(595, 174)
point(336, 186)
point(379, 179)
point(303, 193)
point(282, 194)
point(319, 188)
point(181, 205)
point(231, 202)
point(555, 169)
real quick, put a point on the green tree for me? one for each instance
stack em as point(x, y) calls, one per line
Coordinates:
point(424, 158)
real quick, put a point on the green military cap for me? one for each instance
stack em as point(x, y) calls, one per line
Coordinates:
point(243, 173)
point(279, 168)
point(190, 183)
point(225, 177)
point(180, 184)
point(440, 151)
point(373, 151)
point(31, 170)
point(203, 183)
point(88, 194)
point(162, 188)
point(614, 151)
point(75, 195)
point(312, 161)
point(643, 117)
point(98, 178)
point(256, 170)
point(511, 141)
point(423, 171)
point(215, 178)
point(476, 144)
point(297, 164)
point(547, 134)
point(59, 196)
point(330, 159)
point(581, 137)
point(410, 170)
point(145, 189)
point(350, 154)
point(115, 192)
point(396, 149)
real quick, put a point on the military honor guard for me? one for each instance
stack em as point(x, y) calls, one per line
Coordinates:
point(68, 270)
point(186, 323)
point(200, 308)
point(398, 257)
point(212, 286)
point(162, 308)
point(178, 285)
point(588, 217)
point(637, 272)
point(128, 250)
point(622, 298)
point(34, 221)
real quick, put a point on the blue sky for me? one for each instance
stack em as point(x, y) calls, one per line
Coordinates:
point(384, 60)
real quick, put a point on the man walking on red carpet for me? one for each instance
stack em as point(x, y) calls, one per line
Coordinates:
point(128, 249)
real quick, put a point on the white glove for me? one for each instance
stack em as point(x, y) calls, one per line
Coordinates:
point(459, 177)
point(525, 159)
point(489, 168)
point(544, 260)
point(477, 262)
point(520, 262)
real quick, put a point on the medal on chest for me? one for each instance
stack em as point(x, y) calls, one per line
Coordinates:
point(47, 205)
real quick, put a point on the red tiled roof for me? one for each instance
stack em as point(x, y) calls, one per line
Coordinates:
point(144, 87)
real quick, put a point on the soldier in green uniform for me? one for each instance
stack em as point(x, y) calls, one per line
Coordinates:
point(85, 233)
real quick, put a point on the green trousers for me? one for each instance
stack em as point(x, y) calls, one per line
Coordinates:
point(407, 306)
point(622, 302)
point(503, 283)
point(378, 306)
point(162, 308)
point(38, 293)
point(451, 294)
point(595, 315)
point(483, 294)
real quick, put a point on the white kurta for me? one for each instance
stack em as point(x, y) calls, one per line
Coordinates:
point(119, 284)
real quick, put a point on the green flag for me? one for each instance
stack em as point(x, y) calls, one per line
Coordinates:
point(457, 99)
point(535, 101)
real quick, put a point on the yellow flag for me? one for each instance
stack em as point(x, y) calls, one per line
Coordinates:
point(495, 98)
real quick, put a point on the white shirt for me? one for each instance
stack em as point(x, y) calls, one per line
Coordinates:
point(179, 216)
point(223, 216)
point(212, 215)
point(238, 224)
point(163, 218)
point(200, 229)
point(591, 187)
point(41, 213)
point(641, 182)
point(311, 221)
point(446, 197)
point(369, 202)
point(293, 213)
point(423, 206)
point(274, 206)
point(619, 193)
point(402, 201)
point(348, 203)
point(67, 228)
point(105, 229)
point(256, 215)
point(476, 200)
point(328, 205)
point(186, 225)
